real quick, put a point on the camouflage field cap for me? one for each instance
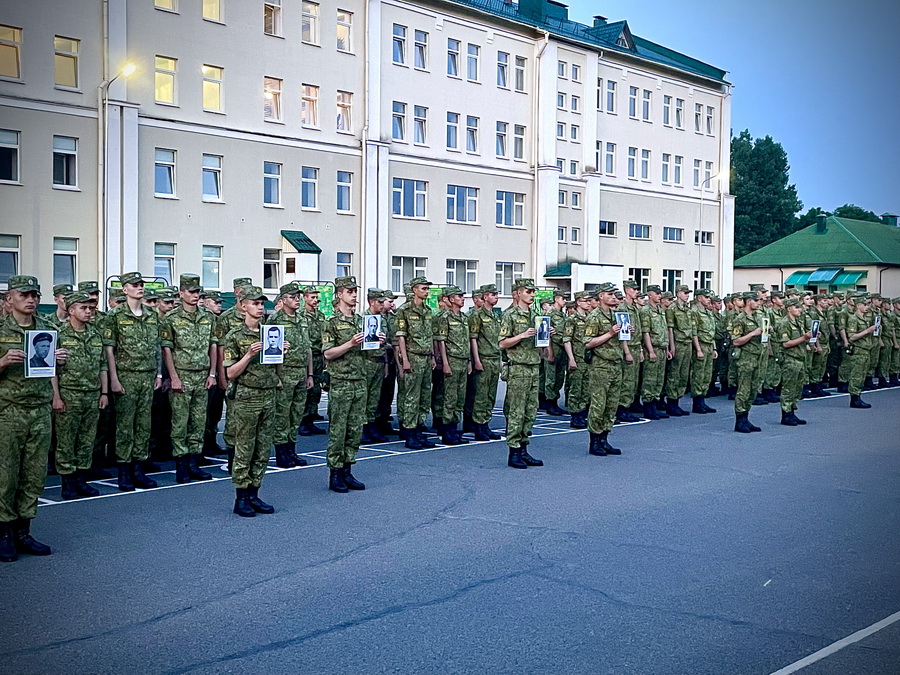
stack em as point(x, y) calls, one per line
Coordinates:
point(241, 281)
point(583, 295)
point(88, 287)
point(875, 296)
point(76, 297)
point(167, 294)
point(341, 283)
point(792, 302)
point(683, 288)
point(606, 288)
point(309, 290)
point(560, 293)
point(447, 291)
point(131, 278)
point(477, 293)
point(703, 291)
point(524, 283)
point(619, 295)
point(488, 288)
point(654, 288)
point(374, 294)
point(416, 281)
point(757, 287)
point(118, 296)
point(253, 293)
point(389, 295)
point(62, 289)
point(291, 288)
point(749, 295)
point(779, 294)
point(215, 296)
point(151, 294)
point(630, 283)
point(570, 304)
point(667, 295)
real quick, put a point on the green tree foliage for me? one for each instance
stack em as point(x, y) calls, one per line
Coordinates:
point(856, 213)
point(765, 202)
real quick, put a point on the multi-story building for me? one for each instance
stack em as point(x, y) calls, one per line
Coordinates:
point(467, 140)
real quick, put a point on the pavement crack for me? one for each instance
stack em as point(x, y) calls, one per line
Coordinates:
point(497, 521)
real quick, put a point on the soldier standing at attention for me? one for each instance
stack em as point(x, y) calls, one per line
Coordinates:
point(189, 348)
point(775, 312)
point(376, 368)
point(386, 397)
point(25, 422)
point(469, 406)
point(414, 342)
point(83, 392)
point(748, 341)
point(573, 343)
point(58, 317)
point(252, 404)
point(314, 322)
point(342, 336)
point(227, 321)
point(452, 337)
point(703, 336)
point(484, 336)
point(216, 396)
point(628, 388)
point(860, 328)
point(604, 353)
point(131, 341)
point(555, 370)
point(794, 336)
point(437, 374)
point(680, 324)
point(654, 319)
point(817, 356)
point(517, 333)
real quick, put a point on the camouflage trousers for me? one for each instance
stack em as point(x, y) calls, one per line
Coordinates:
point(887, 360)
point(653, 376)
point(844, 367)
point(386, 398)
point(469, 404)
point(437, 392)
point(816, 366)
point(702, 369)
point(24, 447)
point(314, 395)
point(577, 396)
point(486, 390)
point(773, 366)
point(416, 392)
point(252, 414)
point(874, 358)
point(346, 416)
point(858, 369)
point(895, 361)
point(189, 413)
point(678, 370)
point(290, 402)
point(750, 376)
point(628, 387)
point(215, 402)
point(133, 415)
point(76, 429)
point(605, 379)
point(374, 380)
point(794, 376)
point(521, 402)
point(555, 373)
point(455, 390)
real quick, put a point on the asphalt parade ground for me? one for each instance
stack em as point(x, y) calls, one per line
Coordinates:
point(698, 550)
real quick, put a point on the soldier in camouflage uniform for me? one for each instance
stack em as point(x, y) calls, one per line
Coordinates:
point(414, 342)
point(215, 401)
point(437, 373)
point(342, 337)
point(451, 335)
point(631, 365)
point(604, 353)
point(653, 317)
point(703, 337)
point(895, 343)
point(774, 311)
point(314, 322)
point(555, 371)
point(296, 377)
point(188, 339)
point(251, 406)
point(749, 338)
point(375, 363)
point(793, 334)
point(131, 341)
point(469, 406)
point(720, 366)
point(680, 323)
point(577, 396)
point(386, 398)
point(817, 355)
point(25, 422)
point(83, 389)
point(484, 336)
point(58, 317)
point(860, 330)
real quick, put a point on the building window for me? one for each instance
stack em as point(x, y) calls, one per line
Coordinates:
point(704, 238)
point(702, 280)
point(344, 182)
point(645, 165)
point(420, 124)
point(309, 187)
point(462, 273)
point(707, 175)
point(9, 257)
point(561, 69)
point(309, 106)
point(638, 231)
point(646, 105)
point(561, 235)
point(575, 103)
point(309, 28)
point(404, 269)
point(471, 134)
point(211, 268)
point(640, 275)
point(164, 173)
point(679, 163)
point(560, 100)
point(272, 17)
point(420, 50)
point(271, 263)
point(65, 259)
point(462, 204)
point(344, 265)
point(453, 57)
point(212, 10)
point(344, 105)
point(576, 73)
point(673, 234)
point(520, 73)
point(610, 96)
point(698, 117)
point(398, 127)
point(632, 102)
point(212, 178)
point(65, 162)
point(503, 70)
point(573, 167)
point(679, 113)
point(164, 261)
point(452, 131)
point(502, 129)
point(65, 61)
point(165, 79)
point(518, 141)
point(666, 167)
point(510, 209)
point(562, 197)
point(561, 131)
point(399, 52)
point(272, 99)
point(212, 88)
point(696, 173)
point(576, 235)
point(576, 200)
point(607, 228)
point(709, 120)
point(10, 52)
point(667, 110)
point(169, 5)
point(272, 183)
point(507, 273)
point(344, 30)
point(610, 167)
point(632, 162)
point(409, 197)
point(671, 279)
point(473, 52)
point(560, 163)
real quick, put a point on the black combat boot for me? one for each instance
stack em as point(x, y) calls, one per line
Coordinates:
point(366, 436)
point(257, 504)
point(707, 408)
point(528, 459)
point(604, 442)
point(596, 447)
point(515, 459)
point(857, 402)
point(125, 481)
point(895, 380)
point(797, 419)
point(290, 449)
point(68, 486)
point(760, 400)
point(650, 412)
point(882, 382)
point(732, 391)
point(661, 409)
point(140, 480)
point(772, 396)
point(742, 424)
point(24, 542)
point(787, 419)
point(493, 435)
point(552, 408)
point(349, 480)
point(447, 435)
point(481, 433)
point(437, 424)
point(674, 409)
point(458, 435)
point(807, 391)
point(424, 442)
point(468, 425)
point(698, 406)
point(181, 470)
point(81, 486)
point(8, 551)
point(242, 504)
point(843, 387)
point(412, 438)
point(750, 424)
point(281, 461)
point(194, 470)
point(622, 415)
point(376, 434)
point(336, 481)
point(819, 390)
point(869, 384)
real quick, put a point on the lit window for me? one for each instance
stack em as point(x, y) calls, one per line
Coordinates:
point(164, 261)
point(212, 178)
point(10, 52)
point(344, 183)
point(309, 187)
point(344, 104)
point(462, 204)
point(420, 50)
point(271, 184)
point(409, 197)
point(309, 106)
point(309, 27)
point(65, 154)
point(212, 88)
point(272, 17)
point(399, 44)
point(211, 268)
point(272, 99)
point(164, 173)
point(65, 62)
point(510, 209)
point(65, 260)
point(212, 10)
point(165, 79)
point(169, 5)
point(344, 30)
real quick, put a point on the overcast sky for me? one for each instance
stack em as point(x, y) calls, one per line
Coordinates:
point(821, 77)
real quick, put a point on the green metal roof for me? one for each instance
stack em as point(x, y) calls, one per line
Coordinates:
point(559, 271)
point(844, 242)
point(300, 241)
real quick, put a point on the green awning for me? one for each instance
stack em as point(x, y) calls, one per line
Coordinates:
point(560, 271)
point(824, 275)
point(797, 279)
point(848, 278)
point(300, 241)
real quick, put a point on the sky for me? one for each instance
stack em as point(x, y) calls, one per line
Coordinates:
point(821, 77)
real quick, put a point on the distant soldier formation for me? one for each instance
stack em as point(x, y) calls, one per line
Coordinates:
point(151, 377)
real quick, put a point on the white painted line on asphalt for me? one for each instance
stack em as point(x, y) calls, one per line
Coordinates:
point(41, 500)
point(839, 645)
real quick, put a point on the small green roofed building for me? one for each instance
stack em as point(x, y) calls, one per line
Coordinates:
point(834, 254)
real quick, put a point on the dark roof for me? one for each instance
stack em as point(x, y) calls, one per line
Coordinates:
point(844, 242)
point(559, 271)
point(300, 241)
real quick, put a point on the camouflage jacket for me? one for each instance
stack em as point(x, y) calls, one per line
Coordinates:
point(135, 339)
point(86, 359)
point(414, 324)
point(453, 330)
point(514, 322)
point(484, 326)
point(296, 331)
point(14, 386)
point(598, 322)
point(257, 375)
point(337, 330)
point(189, 335)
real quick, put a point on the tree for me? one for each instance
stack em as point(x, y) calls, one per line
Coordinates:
point(764, 202)
point(856, 213)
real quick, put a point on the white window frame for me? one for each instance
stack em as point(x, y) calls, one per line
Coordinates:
point(452, 131)
point(398, 44)
point(576, 73)
point(501, 147)
point(16, 45)
point(10, 244)
point(519, 142)
point(503, 70)
point(506, 274)
point(345, 26)
point(671, 279)
point(343, 264)
point(404, 269)
point(272, 99)
point(61, 55)
point(212, 83)
point(170, 165)
point(609, 165)
point(575, 200)
point(271, 258)
point(646, 105)
point(632, 102)
point(667, 111)
point(211, 10)
point(211, 165)
point(575, 133)
point(309, 187)
point(509, 206)
point(309, 26)
point(666, 166)
point(166, 5)
point(673, 235)
point(562, 197)
point(707, 176)
point(703, 237)
point(420, 50)
point(398, 121)
point(409, 192)
point(272, 176)
point(167, 259)
point(679, 113)
point(344, 190)
point(574, 167)
point(575, 235)
point(60, 251)
point(420, 125)
point(678, 178)
point(462, 199)
point(344, 119)
point(632, 162)
point(560, 100)
point(641, 275)
point(560, 131)
point(561, 67)
point(165, 72)
point(519, 75)
point(272, 18)
point(611, 97)
point(453, 52)
point(473, 63)
point(561, 234)
point(462, 273)
point(710, 115)
point(702, 279)
point(69, 155)
point(645, 164)
point(472, 144)
point(211, 253)
point(607, 228)
point(575, 104)
point(698, 118)
point(645, 232)
point(697, 168)
point(309, 106)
